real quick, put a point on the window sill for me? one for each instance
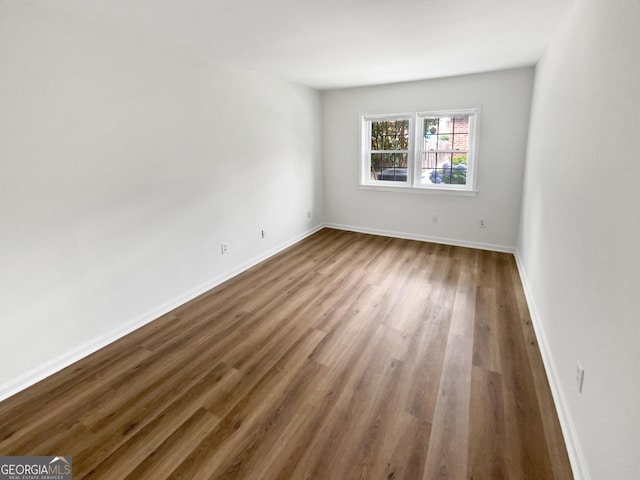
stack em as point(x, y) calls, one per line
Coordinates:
point(419, 190)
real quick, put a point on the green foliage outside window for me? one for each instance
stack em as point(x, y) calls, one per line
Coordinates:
point(389, 135)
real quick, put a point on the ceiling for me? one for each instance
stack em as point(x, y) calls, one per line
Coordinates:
point(341, 43)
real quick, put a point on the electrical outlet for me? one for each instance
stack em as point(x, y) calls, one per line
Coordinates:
point(435, 219)
point(309, 214)
point(224, 248)
point(263, 233)
point(482, 223)
point(579, 375)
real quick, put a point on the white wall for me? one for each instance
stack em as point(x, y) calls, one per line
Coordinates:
point(504, 98)
point(123, 166)
point(579, 243)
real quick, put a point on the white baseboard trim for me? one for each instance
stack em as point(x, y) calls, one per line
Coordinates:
point(576, 455)
point(55, 365)
point(424, 238)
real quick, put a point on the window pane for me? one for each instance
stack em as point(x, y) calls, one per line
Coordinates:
point(430, 134)
point(444, 168)
point(429, 160)
point(389, 167)
point(459, 169)
point(435, 159)
point(460, 141)
point(389, 160)
point(460, 158)
point(437, 134)
point(430, 126)
point(455, 172)
point(444, 141)
point(446, 133)
point(443, 158)
point(389, 134)
point(460, 125)
point(431, 175)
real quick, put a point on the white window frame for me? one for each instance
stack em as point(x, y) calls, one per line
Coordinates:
point(414, 158)
point(365, 135)
point(470, 184)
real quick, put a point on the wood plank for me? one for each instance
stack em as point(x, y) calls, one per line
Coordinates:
point(529, 454)
point(486, 347)
point(447, 456)
point(176, 448)
point(487, 431)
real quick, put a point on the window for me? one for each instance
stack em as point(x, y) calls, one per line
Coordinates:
point(437, 154)
point(387, 148)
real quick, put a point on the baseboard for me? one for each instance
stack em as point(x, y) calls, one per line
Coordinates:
point(424, 238)
point(576, 455)
point(55, 365)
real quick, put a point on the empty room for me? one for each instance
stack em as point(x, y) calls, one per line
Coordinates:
point(319, 240)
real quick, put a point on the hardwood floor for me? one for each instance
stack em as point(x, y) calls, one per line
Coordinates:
point(347, 356)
